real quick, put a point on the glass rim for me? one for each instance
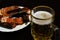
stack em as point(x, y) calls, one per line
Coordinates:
point(45, 7)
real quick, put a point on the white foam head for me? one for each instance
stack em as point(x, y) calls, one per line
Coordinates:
point(42, 15)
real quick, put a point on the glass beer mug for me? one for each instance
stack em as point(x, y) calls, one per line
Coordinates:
point(42, 22)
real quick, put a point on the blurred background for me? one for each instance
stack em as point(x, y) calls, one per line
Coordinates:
point(25, 33)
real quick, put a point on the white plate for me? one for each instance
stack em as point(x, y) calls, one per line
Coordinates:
point(18, 27)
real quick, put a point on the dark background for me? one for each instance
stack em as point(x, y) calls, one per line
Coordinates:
point(25, 33)
point(32, 3)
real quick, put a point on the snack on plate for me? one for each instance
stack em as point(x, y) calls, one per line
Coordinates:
point(12, 16)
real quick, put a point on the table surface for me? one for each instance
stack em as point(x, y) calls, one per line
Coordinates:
point(25, 34)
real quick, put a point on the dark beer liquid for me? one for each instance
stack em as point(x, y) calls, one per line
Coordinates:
point(41, 32)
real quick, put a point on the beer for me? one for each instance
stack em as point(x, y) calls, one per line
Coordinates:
point(41, 25)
